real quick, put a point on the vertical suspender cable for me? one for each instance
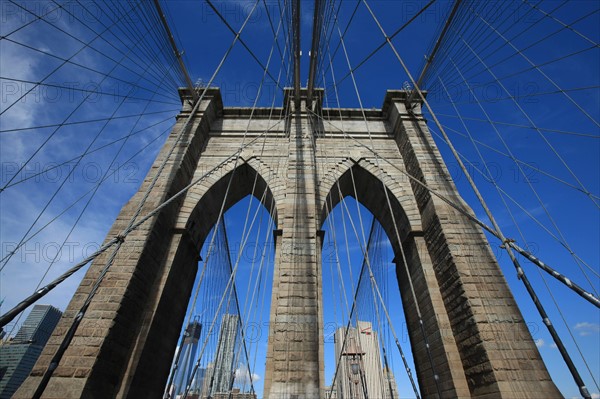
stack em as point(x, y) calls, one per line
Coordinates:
point(314, 50)
point(296, 34)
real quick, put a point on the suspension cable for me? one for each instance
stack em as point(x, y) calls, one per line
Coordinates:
point(413, 293)
point(544, 266)
point(562, 240)
point(404, 360)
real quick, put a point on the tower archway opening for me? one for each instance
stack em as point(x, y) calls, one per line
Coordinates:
point(364, 321)
point(222, 345)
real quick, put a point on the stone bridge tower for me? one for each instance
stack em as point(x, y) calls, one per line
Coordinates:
point(299, 166)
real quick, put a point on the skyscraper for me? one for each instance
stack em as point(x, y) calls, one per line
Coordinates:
point(187, 358)
point(391, 388)
point(18, 356)
point(360, 372)
point(221, 376)
point(330, 392)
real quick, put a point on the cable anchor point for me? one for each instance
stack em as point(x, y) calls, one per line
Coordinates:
point(506, 241)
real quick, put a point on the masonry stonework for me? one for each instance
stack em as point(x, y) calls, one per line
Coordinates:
point(299, 166)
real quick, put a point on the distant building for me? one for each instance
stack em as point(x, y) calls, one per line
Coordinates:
point(234, 394)
point(18, 356)
point(330, 393)
point(217, 379)
point(187, 360)
point(199, 381)
point(208, 376)
point(360, 372)
point(220, 377)
point(391, 388)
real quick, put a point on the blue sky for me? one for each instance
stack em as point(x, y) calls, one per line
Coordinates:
point(573, 212)
point(560, 209)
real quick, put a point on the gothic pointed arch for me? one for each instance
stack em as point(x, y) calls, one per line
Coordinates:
point(479, 341)
point(222, 189)
point(398, 214)
point(219, 190)
point(362, 180)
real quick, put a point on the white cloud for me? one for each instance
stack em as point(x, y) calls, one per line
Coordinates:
point(596, 395)
point(586, 328)
point(242, 376)
point(539, 342)
point(553, 346)
point(16, 65)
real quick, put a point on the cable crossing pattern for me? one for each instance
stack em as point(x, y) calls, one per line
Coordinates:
point(490, 121)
